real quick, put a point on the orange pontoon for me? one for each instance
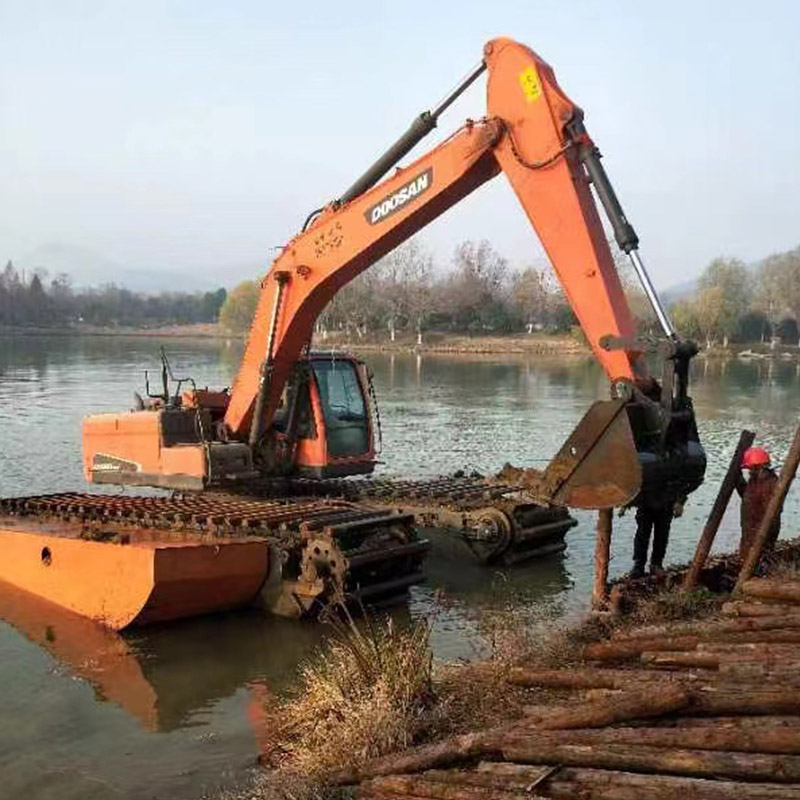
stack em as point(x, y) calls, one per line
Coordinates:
point(123, 560)
point(135, 580)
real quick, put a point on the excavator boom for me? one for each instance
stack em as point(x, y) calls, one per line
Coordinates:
point(525, 136)
point(535, 136)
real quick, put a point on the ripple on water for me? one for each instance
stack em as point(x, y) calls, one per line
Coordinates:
point(183, 725)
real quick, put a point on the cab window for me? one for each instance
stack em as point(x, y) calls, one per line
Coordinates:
point(343, 407)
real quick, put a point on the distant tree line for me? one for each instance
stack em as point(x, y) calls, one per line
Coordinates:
point(737, 304)
point(403, 294)
point(35, 300)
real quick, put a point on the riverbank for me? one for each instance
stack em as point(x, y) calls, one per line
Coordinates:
point(434, 343)
point(198, 331)
point(688, 695)
point(439, 343)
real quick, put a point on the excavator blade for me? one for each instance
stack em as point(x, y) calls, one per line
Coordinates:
point(597, 467)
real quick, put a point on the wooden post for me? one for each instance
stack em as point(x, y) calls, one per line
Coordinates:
point(717, 512)
point(602, 549)
point(773, 510)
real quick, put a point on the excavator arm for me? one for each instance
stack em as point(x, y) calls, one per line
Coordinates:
point(526, 136)
point(533, 134)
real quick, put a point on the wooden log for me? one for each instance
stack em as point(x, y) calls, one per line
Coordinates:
point(725, 662)
point(416, 759)
point(628, 706)
point(600, 694)
point(492, 774)
point(711, 527)
point(772, 512)
point(596, 678)
point(718, 701)
point(786, 591)
point(510, 782)
point(524, 773)
point(764, 721)
point(743, 608)
point(633, 648)
point(781, 740)
point(726, 699)
point(712, 629)
point(695, 763)
point(602, 549)
point(786, 673)
point(764, 637)
point(368, 792)
point(563, 679)
point(621, 650)
point(571, 783)
point(749, 650)
point(708, 661)
point(444, 786)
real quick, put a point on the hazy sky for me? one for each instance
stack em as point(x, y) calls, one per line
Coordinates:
point(195, 136)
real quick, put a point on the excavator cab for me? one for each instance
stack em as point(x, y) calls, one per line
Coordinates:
point(324, 424)
point(291, 411)
point(322, 428)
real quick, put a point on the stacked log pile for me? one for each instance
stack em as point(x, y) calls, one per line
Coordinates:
point(707, 710)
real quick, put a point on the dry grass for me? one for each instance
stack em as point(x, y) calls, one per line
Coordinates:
point(673, 605)
point(787, 570)
point(478, 695)
point(369, 693)
point(278, 785)
point(374, 690)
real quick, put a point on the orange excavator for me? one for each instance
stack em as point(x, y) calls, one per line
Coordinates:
point(306, 417)
point(292, 410)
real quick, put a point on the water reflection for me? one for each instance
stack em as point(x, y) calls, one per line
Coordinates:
point(164, 711)
point(164, 676)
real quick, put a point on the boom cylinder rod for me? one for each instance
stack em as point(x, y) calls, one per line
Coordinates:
point(649, 290)
point(624, 233)
point(417, 131)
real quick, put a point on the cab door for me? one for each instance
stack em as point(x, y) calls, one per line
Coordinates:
point(344, 408)
point(340, 441)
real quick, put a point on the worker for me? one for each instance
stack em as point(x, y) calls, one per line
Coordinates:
point(653, 517)
point(654, 511)
point(756, 493)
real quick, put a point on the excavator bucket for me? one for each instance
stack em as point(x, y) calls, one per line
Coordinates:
point(597, 467)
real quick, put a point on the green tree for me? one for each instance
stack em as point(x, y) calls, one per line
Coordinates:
point(723, 298)
point(779, 286)
point(239, 308)
point(685, 318)
point(529, 295)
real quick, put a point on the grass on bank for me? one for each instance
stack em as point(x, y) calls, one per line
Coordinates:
point(370, 692)
point(374, 689)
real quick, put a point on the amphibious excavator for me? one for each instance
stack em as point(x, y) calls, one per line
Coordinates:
point(302, 420)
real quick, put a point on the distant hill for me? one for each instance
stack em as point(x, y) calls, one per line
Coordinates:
point(679, 291)
point(685, 290)
point(89, 268)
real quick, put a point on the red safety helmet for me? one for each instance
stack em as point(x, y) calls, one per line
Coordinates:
point(755, 457)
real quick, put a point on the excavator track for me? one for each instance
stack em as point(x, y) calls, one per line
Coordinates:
point(499, 522)
point(321, 549)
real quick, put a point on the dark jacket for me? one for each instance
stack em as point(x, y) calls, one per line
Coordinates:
point(756, 494)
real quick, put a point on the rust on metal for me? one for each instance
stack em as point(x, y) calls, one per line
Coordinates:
point(497, 518)
point(597, 467)
point(305, 553)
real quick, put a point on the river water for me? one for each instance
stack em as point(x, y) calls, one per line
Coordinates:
point(172, 711)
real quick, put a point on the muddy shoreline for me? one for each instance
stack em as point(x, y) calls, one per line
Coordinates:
point(442, 344)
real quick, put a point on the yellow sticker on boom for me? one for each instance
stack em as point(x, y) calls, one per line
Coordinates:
point(530, 83)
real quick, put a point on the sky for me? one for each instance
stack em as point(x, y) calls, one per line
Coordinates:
point(194, 136)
